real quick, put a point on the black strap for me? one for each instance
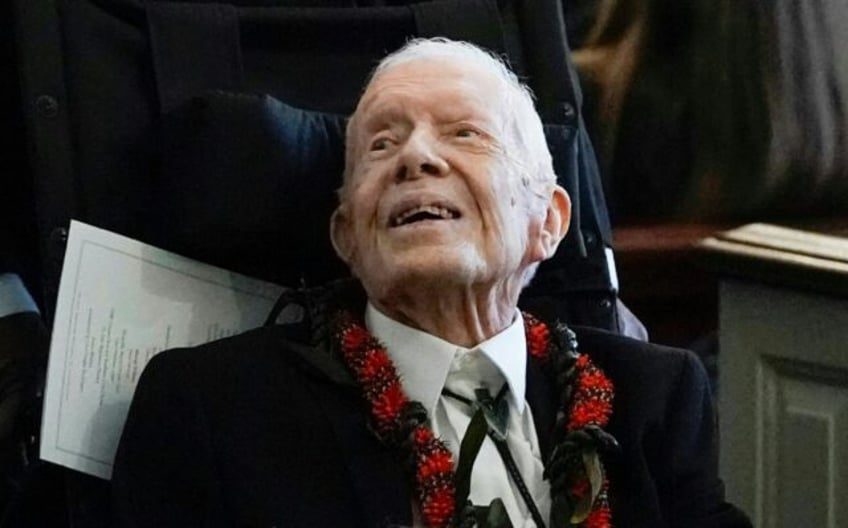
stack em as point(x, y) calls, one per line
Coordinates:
point(287, 297)
point(478, 421)
point(548, 61)
point(196, 47)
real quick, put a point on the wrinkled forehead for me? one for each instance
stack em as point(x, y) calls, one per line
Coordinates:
point(451, 83)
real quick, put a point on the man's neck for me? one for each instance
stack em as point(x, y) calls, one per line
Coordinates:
point(462, 318)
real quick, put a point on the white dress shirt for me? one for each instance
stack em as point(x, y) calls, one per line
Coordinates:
point(425, 363)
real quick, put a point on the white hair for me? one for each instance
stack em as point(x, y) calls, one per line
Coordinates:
point(528, 150)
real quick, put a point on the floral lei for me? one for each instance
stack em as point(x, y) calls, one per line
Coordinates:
point(579, 490)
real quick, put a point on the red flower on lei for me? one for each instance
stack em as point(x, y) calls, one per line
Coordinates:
point(366, 358)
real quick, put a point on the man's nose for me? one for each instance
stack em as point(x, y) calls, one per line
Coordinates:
point(421, 157)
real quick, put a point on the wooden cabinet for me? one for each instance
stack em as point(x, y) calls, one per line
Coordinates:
point(783, 371)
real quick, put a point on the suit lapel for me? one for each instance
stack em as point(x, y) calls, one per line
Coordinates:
point(542, 397)
point(375, 471)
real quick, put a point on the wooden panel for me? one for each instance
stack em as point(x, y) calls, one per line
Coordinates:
point(803, 429)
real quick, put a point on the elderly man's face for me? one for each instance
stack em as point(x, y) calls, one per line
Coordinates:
point(432, 194)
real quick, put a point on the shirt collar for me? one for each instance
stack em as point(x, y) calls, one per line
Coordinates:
point(423, 360)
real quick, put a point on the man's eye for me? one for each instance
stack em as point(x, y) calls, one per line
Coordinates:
point(380, 144)
point(467, 133)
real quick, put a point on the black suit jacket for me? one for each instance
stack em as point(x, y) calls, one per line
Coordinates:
point(262, 430)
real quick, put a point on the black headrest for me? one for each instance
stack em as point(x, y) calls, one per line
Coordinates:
point(248, 183)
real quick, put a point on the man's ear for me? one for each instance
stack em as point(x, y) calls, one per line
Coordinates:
point(555, 225)
point(341, 233)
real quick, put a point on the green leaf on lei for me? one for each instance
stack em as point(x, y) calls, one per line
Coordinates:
point(592, 467)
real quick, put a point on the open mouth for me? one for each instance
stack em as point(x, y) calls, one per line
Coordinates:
point(423, 213)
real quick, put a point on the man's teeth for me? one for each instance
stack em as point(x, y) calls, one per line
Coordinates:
point(433, 210)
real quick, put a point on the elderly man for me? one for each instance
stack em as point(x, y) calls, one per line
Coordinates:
point(418, 394)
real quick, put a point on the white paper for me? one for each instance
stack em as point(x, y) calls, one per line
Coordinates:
point(121, 302)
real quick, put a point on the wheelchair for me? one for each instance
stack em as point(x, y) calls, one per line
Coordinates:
point(216, 131)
